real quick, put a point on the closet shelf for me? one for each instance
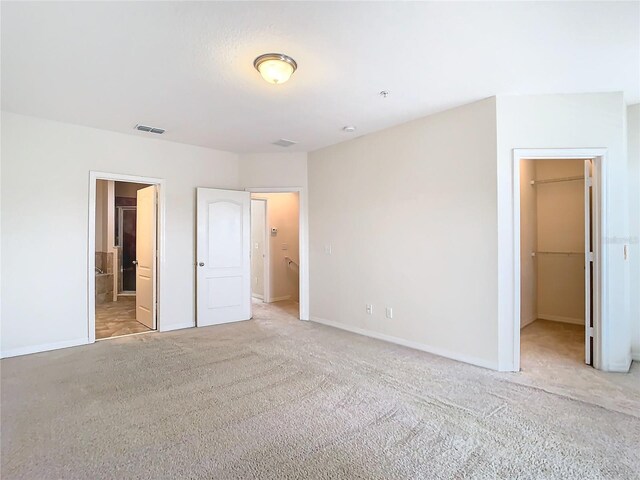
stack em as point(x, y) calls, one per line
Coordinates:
point(533, 254)
point(556, 180)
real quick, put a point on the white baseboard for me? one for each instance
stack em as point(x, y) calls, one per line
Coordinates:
point(257, 295)
point(524, 323)
point(623, 367)
point(178, 326)
point(45, 347)
point(279, 299)
point(558, 318)
point(480, 362)
point(635, 356)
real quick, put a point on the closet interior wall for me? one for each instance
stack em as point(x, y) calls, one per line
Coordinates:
point(552, 241)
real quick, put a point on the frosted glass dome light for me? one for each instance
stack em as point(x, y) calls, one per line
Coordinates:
point(275, 68)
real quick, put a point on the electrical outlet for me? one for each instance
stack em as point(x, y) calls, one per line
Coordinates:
point(389, 312)
point(369, 309)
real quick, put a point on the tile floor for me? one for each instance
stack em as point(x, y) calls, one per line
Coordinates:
point(544, 342)
point(114, 319)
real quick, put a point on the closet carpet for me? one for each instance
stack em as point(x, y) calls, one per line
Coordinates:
point(278, 398)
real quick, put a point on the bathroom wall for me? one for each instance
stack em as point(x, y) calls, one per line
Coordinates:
point(103, 251)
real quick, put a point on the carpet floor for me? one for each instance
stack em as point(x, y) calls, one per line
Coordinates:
point(278, 398)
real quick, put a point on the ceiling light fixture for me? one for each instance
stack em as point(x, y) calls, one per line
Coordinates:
point(275, 67)
point(349, 129)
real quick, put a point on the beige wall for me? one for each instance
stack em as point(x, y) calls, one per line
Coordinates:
point(283, 214)
point(102, 217)
point(633, 145)
point(528, 244)
point(258, 237)
point(403, 218)
point(560, 228)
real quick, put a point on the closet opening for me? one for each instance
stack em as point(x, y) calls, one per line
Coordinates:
point(557, 263)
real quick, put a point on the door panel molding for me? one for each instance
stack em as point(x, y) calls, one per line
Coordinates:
point(223, 265)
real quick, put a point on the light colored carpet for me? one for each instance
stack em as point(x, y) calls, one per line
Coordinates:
point(279, 398)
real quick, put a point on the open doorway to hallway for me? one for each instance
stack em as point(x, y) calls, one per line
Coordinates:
point(275, 247)
point(125, 258)
point(556, 267)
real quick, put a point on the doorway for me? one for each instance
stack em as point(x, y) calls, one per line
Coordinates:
point(275, 247)
point(558, 220)
point(124, 245)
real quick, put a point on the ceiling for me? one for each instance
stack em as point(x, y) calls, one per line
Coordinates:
point(187, 66)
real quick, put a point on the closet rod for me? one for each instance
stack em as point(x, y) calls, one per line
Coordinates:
point(555, 180)
point(533, 254)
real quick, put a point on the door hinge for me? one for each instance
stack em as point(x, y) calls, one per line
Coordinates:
point(589, 181)
point(591, 256)
point(591, 331)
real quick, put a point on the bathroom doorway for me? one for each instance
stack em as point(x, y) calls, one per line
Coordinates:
point(125, 233)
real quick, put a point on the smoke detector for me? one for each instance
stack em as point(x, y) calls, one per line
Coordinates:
point(283, 142)
point(349, 129)
point(146, 128)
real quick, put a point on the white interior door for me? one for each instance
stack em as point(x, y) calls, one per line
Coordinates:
point(146, 257)
point(588, 263)
point(223, 256)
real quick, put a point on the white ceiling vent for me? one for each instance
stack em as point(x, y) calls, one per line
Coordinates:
point(283, 142)
point(146, 128)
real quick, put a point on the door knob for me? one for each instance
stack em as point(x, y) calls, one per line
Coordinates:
point(201, 264)
point(135, 262)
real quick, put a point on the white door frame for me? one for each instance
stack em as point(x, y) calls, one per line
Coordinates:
point(303, 239)
point(600, 323)
point(266, 261)
point(91, 290)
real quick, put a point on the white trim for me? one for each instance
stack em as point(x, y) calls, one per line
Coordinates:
point(561, 319)
point(480, 362)
point(635, 356)
point(258, 296)
point(45, 347)
point(91, 283)
point(179, 326)
point(528, 321)
point(279, 299)
point(303, 239)
point(509, 329)
point(116, 337)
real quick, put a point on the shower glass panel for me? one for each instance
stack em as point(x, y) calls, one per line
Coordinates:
point(127, 241)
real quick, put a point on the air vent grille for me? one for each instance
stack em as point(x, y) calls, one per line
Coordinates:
point(283, 142)
point(147, 128)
